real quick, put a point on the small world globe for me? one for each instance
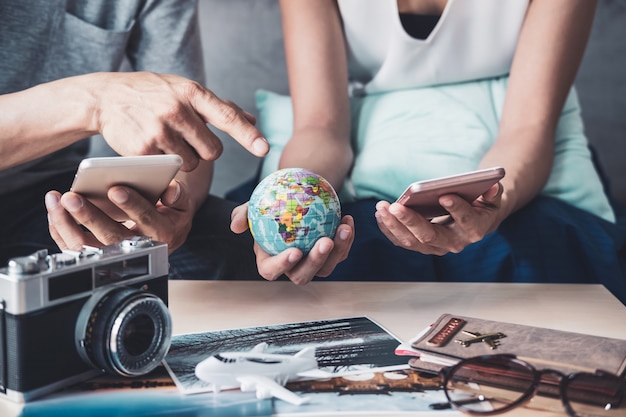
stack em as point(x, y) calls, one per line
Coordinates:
point(293, 208)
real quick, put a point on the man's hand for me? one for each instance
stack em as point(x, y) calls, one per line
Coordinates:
point(467, 223)
point(74, 221)
point(320, 261)
point(146, 113)
point(138, 113)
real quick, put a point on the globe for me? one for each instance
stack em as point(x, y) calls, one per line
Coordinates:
point(292, 208)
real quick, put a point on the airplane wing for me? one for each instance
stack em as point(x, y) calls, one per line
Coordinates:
point(490, 342)
point(267, 387)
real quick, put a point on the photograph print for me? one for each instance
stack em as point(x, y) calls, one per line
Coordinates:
point(342, 347)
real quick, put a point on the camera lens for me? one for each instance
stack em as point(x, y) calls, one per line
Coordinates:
point(124, 331)
point(138, 334)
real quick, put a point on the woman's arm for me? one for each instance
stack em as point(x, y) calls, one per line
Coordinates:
point(550, 47)
point(549, 51)
point(317, 67)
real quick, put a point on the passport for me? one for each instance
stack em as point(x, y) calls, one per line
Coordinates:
point(442, 344)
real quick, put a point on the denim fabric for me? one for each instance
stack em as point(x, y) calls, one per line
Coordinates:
point(212, 250)
point(548, 241)
point(23, 219)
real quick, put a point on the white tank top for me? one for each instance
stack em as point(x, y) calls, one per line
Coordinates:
point(474, 39)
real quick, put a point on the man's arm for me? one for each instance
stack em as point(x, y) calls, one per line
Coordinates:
point(137, 113)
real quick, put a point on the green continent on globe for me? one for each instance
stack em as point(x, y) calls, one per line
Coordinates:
point(293, 208)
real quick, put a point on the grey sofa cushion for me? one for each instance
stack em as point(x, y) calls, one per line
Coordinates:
point(243, 51)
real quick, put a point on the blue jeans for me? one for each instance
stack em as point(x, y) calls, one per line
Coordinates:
point(212, 250)
point(548, 241)
point(24, 221)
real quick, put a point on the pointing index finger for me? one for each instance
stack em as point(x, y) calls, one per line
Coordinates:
point(230, 119)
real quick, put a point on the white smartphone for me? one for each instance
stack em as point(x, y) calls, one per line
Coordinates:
point(423, 196)
point(149, 175)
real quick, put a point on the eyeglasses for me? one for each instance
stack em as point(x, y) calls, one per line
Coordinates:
point(493, 384)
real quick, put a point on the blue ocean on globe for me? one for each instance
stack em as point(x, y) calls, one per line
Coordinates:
point(293, 207)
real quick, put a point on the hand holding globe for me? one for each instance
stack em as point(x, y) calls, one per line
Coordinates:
point(293, 207)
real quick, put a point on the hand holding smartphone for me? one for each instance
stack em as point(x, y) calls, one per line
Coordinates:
point(423, 196)
point(149, 175)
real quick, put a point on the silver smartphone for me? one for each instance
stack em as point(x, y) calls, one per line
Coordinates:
point(423, 196)
point(149, 175)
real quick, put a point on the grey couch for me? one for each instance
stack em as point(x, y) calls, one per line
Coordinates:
point(243, 49)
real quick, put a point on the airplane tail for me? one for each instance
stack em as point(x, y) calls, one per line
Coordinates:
point(307, 352)
point(260, 348)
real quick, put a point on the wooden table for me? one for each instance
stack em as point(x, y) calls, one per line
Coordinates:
point(402, 308)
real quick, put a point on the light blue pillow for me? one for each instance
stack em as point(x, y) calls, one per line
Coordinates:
point(411, 135)
point(275, 119)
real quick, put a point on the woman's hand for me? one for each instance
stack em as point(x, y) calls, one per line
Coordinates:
point(300, 269)
point(467, 223)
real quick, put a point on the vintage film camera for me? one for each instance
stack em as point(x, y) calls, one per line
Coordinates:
point(69, 316)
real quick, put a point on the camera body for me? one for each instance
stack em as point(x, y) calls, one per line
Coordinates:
point(69, 316)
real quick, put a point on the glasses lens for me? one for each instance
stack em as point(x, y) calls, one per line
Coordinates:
point(489, 384)
point(596, 395)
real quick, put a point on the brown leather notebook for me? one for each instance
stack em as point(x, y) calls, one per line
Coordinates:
point(453, 337)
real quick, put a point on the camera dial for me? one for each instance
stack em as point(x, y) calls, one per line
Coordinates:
point(136, 242)
point(28, 265)
point(124, 331)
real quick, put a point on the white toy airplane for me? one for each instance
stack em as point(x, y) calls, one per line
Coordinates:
point(255, 369)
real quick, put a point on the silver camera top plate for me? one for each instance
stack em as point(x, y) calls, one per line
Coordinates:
point(40, 280)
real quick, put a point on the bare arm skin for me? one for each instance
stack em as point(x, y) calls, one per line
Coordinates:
point(317, 67)
point(137, 113)
point(551, 46)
